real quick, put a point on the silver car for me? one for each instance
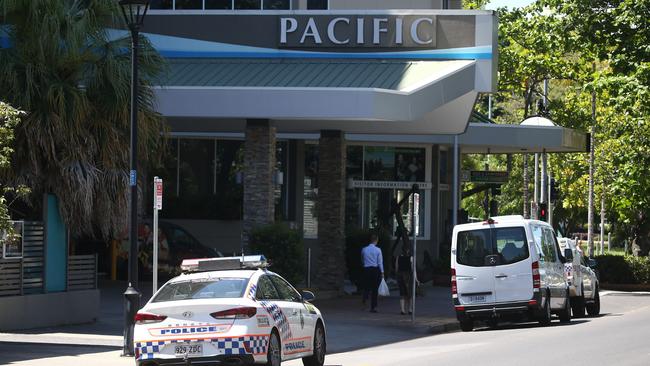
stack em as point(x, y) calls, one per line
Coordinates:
point(582, 280)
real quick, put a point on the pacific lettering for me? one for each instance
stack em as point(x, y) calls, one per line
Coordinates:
point(414, 31)
point(368, 31)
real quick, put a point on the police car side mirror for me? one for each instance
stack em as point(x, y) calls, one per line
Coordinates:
point(592, 263)
point(568, 254)
point(307, 295)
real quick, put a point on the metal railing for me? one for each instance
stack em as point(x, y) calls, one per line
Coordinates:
point(24, 276)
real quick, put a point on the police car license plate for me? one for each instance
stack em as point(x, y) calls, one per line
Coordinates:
point(476, 299)
point(189, 349)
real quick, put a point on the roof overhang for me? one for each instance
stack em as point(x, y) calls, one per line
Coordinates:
point(427, 97)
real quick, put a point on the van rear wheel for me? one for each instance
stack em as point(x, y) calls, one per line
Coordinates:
point(545, 317)
point(467, 325)
point(593, 309)
point(565, 314)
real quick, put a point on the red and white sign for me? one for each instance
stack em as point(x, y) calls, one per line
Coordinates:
point(158, 193)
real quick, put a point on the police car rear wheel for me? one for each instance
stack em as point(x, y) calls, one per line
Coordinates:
point(273, 353)
point(318, 358)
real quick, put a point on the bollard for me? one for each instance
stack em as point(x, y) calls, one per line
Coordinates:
point(131, 306)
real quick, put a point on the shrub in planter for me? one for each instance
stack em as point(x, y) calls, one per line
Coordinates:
point(284, 249)
point(614, 269)
point(355, 240)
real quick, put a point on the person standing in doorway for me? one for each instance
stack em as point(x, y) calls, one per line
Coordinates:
point(404, 269)
point(373, 271)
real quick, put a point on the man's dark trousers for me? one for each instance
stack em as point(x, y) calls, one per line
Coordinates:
point(371, 280)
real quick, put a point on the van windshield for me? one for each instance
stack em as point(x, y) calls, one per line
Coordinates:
point(509, 243)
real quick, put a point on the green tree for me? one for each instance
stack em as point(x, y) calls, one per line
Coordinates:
point(73, 81)
point(9, 119)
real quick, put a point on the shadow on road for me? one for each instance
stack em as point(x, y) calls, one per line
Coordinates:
point(15, 352)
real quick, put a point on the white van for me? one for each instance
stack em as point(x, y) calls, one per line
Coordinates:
point(507, 268)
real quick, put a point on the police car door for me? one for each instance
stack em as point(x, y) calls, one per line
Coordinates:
point(300, 339)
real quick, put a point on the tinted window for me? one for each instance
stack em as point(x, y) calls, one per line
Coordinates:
point(511, 244)
point(213, 288)
point(266, 290)
point(473, 246)
point(218, 4)
point(285, 290)
point(549, 245)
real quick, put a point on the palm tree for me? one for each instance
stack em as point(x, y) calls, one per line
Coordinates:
point(73, 81)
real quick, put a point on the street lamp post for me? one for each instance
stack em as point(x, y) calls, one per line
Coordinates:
point(134, 12)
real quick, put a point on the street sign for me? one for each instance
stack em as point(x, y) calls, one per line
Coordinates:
point(485, 176)
point(158, 192)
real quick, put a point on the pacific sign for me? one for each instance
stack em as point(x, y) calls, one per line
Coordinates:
point(334, 31)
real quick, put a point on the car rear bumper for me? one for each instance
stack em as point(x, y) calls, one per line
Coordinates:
point(504, 309)
point(229, 360)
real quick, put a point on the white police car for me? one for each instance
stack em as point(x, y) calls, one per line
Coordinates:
point(229, 311)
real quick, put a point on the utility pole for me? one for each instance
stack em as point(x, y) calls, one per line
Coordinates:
point(534, 204)
point(526, 203)
point(602, 223)
point(590, 209)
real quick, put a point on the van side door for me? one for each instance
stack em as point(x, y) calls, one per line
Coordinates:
point(474, 272)
point(513, 275)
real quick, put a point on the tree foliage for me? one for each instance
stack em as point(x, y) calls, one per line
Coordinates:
point(9, 119)
point(563, 40)
point(72, 78)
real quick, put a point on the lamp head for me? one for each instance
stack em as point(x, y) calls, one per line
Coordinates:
point(134, 12)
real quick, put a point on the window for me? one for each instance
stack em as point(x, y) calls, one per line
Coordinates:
point(286, 291)
point(212, 288)
point(549, 245)
point(276, 4)
point(511, 244)
point(248, 4)
point(218, 4)
point(161, 4)
point(189, 4)
point(265, 289)
point(317, 4)
point(473, 246)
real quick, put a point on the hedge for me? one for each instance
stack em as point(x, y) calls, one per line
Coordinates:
point(284, 249)
point(619, 269)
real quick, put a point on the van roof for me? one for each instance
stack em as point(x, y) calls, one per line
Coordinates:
point(498, 221)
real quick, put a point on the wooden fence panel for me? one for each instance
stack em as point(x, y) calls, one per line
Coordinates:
point(82, 272)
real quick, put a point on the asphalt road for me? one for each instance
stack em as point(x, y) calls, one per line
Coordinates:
point(618, 337)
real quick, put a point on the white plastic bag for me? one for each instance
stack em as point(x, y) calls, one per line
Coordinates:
point(383, 288)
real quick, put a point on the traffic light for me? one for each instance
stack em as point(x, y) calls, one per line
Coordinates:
point(555, 192)
point(542, 212)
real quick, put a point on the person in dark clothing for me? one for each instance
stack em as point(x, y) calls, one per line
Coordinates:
point(403, 267)
point(373, 271)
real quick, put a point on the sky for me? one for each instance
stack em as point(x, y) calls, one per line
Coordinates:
point(509, 3)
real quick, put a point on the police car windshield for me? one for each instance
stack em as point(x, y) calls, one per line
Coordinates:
point(212, 288)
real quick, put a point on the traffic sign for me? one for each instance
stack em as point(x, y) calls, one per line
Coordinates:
point(486, 176)
point(158, 192)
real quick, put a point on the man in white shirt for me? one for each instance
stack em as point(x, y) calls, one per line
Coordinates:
point(373, 271)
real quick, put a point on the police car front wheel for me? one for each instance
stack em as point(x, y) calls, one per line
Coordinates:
point(318, 358)
point(274, 357)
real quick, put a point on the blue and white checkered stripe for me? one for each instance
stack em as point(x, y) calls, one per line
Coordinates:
point(279, 318)
point(146, 350)
point(258, 344)
point(229, 345)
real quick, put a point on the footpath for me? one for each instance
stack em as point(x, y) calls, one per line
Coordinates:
point(348, 326)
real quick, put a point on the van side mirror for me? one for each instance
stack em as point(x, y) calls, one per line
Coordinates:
point(307, 295)
point(568, 254)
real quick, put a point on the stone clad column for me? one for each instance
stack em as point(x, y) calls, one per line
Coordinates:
point(259, 167)
point(330, 270)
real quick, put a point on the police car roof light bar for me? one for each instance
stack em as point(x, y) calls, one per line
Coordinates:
point(224, 263)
